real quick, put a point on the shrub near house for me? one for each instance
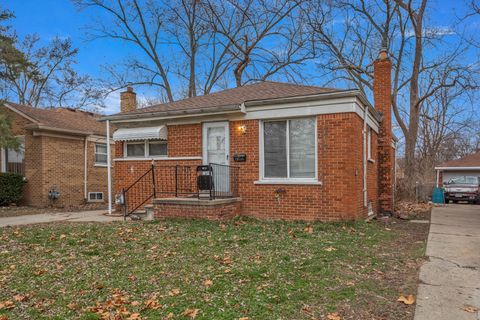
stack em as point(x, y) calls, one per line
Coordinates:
point(11, 187)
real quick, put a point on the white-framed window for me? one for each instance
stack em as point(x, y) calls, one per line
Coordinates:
point(135, 149)
point(143, 149)
point(14, 160)
point(101, 154)
point(369, 143)
point(95, 196)
point(289, 149)
point(157, 148)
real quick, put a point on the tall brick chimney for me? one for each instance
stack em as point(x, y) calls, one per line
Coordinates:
point(382, 70)
point(128, 100)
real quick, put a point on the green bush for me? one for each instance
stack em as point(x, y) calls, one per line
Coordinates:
point(11, 185)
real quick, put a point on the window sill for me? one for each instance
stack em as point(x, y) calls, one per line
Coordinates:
point(290, 181)
point(371, 160)
point(100, 165)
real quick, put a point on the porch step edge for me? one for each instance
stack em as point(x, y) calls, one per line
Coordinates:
point(196, 202)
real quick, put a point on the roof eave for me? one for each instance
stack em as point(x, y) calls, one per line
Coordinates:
point(22, 114)
point(175, 113)
point(463, 168)
point(39, 126)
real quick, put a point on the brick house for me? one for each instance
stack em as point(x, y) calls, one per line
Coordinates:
point(268, 150)
point(63, 150)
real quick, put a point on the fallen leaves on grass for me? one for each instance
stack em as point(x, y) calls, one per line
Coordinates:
point(174, 292)
point(72, 306)
point(333, 316)
point(308, 229)
point(20, 298)
point(330, 249)
point(191, 313)
point(408, 300)
point(208, 283)
point(7, 305)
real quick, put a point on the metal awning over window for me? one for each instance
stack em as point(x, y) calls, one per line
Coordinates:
point(145, 133)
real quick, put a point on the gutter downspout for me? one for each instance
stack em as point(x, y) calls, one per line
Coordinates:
point(85, 173)
point(365, 196)
point(109, 169)
point(438, 177)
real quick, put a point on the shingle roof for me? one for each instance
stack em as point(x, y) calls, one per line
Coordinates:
point(236, 96)
point(63, 118)
point(472, 160)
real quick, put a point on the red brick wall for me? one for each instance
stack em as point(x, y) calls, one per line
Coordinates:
point(216, 212)
point(386, 153)
point(185, 140)
point(340, 169)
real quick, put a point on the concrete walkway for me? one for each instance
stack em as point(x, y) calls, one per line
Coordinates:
point(82, 216)
point(450, 280)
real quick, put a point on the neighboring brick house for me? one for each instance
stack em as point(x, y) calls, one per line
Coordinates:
point(277, 150)
point(63, 150)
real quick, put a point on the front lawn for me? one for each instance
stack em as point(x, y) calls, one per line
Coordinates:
point(241, 269)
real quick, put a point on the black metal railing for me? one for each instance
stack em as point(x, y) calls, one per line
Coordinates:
point(212, 181)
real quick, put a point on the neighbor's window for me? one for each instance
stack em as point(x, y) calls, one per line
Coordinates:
point(289, 149)
point(101, 153)
point(95, 196)
point(15, 159)
point(157, 148)
point(135, 149)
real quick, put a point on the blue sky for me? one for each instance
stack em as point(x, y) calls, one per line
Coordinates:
point(50, 18)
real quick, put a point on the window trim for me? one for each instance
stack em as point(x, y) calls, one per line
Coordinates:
point(96, 163)
point(146, 153)
point(369, 145)
point(95, 200)
point(147, 149)
point(287, 180)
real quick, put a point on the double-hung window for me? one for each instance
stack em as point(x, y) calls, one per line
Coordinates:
point(289, 149)
point(101, 154)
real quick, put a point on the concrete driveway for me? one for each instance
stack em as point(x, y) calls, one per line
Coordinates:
point(450, 280)
point(82, 216)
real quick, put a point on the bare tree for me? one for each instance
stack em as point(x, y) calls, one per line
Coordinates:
point(210, 40)
point(49, 78)
point(351, 45)
point(266, 37)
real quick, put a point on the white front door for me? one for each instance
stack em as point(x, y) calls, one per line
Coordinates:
point(216, 149)
point(216, 143)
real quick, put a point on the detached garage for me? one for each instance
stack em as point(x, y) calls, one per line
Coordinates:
point(461, 174)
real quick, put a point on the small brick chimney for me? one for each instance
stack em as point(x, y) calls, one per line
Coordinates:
point(382, 70)
point(128, 100)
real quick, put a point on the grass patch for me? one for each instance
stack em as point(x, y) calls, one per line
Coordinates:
point(229, 270)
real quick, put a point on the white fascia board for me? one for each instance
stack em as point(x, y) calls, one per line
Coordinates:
point(457, 168)
point(183, 116)
point(273, 111)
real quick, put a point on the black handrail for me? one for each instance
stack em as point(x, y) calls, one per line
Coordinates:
point(181, 181)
